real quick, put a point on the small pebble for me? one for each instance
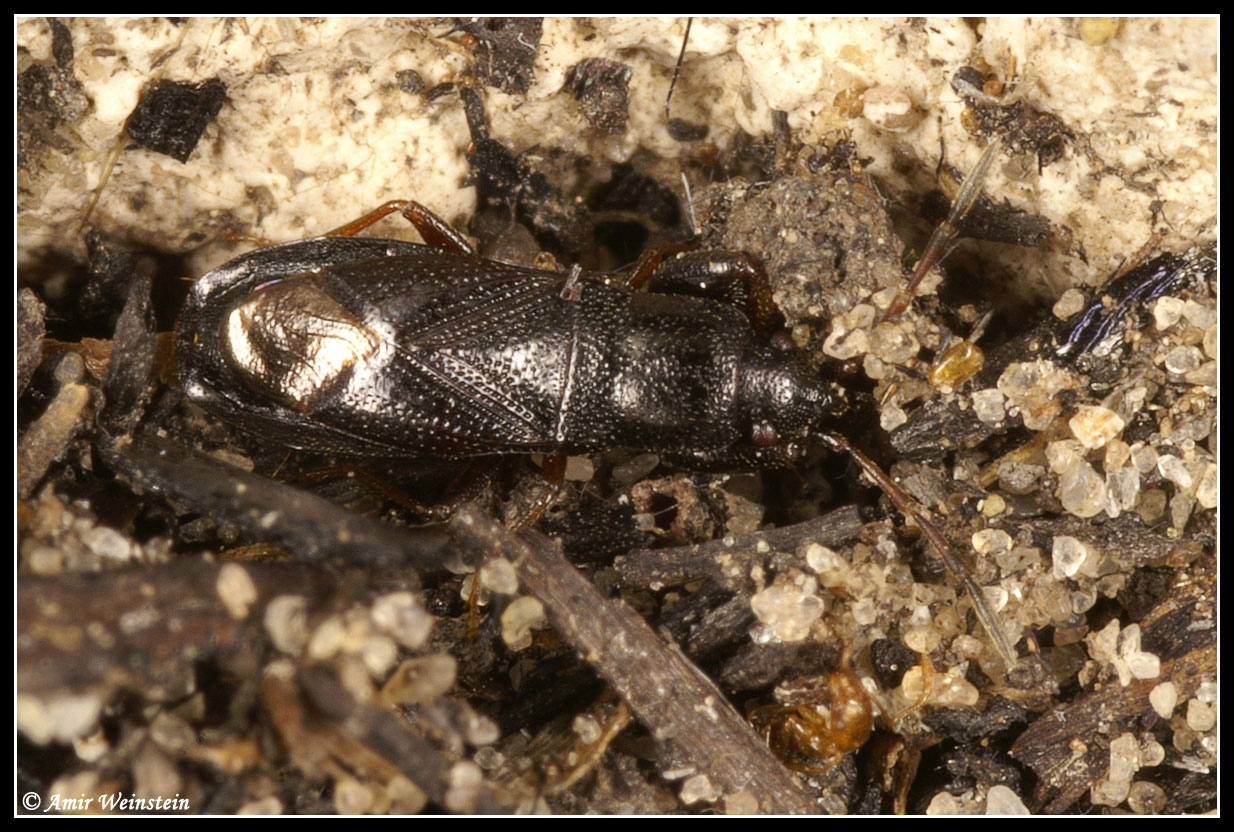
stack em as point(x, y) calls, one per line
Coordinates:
point(988, 406)
point(1094, 426)
point(1146, 798)
point(1019, 477)
point(1152, 753)
point(893, 344)
point(991, 542)
point(1122, 490)
point(379, 655)
point(1082, 490)
point(1181, 505)
point(1000, 800)
point(873, 366)
point(922, 639)
point(328, 639)
point(787, 610)
point(519, 619)
point(832, 569)
point(465, 780)
point(1031, 386)
point(860, 316)
point(1022, 557)
point(286, 621)
point(1211, 342)
point(235, 589)
point(420, 679)
point(351, 797)
point(1071, 302)
point(698, 788)
point(1144, 665)
point(955, 693)
point(1109, 792)
point(1124, 758)
point(1163, 698)
point(1183, 359)
point(1081, 602)
point(1166, 312)
point(943, 803)
point(891, 416)
point(1103, 644)
point(1064, 455)
point(107, 543)
point(741, 803)
point(587, 728)
point(1204, 376)
point(1117, 453)
point(1175, 470)
point(398, 614)
point(1200, 315)
point(1139, 664)
point(1200, 716)
point(993, 505)
point(1143, 457)
point(843, 344)
point(1151, 505)
point(497, 575)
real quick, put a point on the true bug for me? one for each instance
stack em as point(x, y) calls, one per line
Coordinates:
point(379, 348)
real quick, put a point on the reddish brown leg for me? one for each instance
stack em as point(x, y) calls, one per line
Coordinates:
point(927, 687)
point(649, 263)
point(475, 613)
point(735, 277)
point(464, 489)
point(435, 231)
point(235, 237)
point(554, 471)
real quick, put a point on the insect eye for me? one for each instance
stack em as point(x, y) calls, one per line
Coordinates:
point(783, 342)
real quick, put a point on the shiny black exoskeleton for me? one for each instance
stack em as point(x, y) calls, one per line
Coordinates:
point(380, 348)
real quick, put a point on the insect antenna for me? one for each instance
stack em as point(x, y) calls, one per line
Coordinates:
point(946, 552)
point(946, 236)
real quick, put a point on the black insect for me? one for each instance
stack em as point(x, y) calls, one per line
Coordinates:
point(380, 348)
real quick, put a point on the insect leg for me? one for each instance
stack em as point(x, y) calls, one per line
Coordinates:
point(463, 489)
point(435, 231)
point(554, 475)
point(735, 277)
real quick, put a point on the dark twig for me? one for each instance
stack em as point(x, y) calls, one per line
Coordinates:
point(381, 731)
point(311, 527)
point(680, 564)
point(1068, 746)
point(679, 705)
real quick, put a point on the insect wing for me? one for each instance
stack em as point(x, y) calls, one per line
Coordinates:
point(473, 356)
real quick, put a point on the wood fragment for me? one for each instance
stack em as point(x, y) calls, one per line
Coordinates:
point(1068, 747)
point(671, 697)
point(717, 558)
point(269, 510)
